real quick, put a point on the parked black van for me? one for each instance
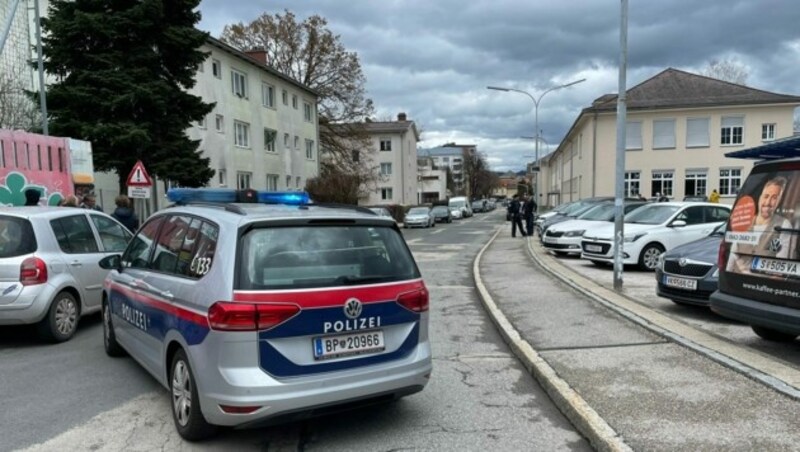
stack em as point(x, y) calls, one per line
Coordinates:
point(759, 258)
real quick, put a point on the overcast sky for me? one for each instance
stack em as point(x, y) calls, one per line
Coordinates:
point(434, 58)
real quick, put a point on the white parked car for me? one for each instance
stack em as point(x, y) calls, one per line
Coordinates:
point(455, 212)
point(652, 230)
point(565, 237)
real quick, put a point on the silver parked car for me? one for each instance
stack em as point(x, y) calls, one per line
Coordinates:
point(249, 313)
point(419, 217)
point(49, 265)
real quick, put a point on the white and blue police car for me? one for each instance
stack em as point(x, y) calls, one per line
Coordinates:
point(258, 307)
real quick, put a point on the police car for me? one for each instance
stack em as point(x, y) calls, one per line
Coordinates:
point(253, 307)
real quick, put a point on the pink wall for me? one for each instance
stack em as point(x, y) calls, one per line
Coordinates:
point(29, 160)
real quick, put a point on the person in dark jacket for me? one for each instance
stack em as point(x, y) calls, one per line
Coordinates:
point(515, 209)
point(124, 214)
point(528, 212)
point(32, 197)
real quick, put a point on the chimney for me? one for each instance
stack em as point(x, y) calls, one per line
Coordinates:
point(258, 54)
point(401, 117)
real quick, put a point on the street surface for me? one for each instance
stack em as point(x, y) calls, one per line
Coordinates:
point(72, 396)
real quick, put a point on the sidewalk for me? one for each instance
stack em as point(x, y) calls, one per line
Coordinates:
point(622, 385)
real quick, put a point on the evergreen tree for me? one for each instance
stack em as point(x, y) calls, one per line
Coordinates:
point(122, 69)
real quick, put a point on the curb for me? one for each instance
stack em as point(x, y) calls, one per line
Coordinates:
point(600, 435)
point(776, 376)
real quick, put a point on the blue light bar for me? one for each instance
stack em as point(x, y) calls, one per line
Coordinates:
point(229, 195)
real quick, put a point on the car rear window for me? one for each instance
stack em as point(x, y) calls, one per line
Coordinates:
point(16, 237)
point(322, 256)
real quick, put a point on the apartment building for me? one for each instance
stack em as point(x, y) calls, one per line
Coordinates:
point(451, 156)
point(679, 128)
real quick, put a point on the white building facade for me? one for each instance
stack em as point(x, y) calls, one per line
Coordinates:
point(679, 128)
point(393, 150)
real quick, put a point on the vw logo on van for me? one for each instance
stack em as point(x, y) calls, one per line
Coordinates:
point(352, 308)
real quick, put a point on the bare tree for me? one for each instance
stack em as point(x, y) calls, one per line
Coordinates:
point(728, 70)
point(17, 110)
point(310, 53)
point(479, 178)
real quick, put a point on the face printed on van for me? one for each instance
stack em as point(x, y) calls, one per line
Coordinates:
point(768, 201)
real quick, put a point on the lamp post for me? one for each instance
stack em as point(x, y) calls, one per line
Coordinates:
point(536, 112)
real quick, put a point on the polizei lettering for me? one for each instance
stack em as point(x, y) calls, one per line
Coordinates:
point(352, 325)
point(135, 317)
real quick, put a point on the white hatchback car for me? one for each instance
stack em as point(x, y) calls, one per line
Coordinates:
point(652, 230)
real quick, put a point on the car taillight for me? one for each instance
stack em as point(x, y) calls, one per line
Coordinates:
point(32, 271)
point(722, 256)
point(416, 301)
point(227, 316)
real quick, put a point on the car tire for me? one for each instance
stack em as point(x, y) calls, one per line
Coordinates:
point(186, 413)
point(600, 263)
point(560, 253)
point(433, 225)
point(110, 343)
point(61, 321)
point(648, 258)
point(773, 335)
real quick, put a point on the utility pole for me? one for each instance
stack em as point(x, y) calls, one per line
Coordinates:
point(622, 117)
point(42, 95)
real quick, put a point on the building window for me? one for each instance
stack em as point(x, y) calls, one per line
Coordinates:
point(662, 183)
point(386, 193)
point(663, 134)
point(633, 135)
point(386, 144)
point(267, 95)
point(269, 139)
point(697, 133)
point(243, 180)
point(446, 160)
point(310, 149)
point(286, 140)
point(297, 181)
point(632, 179)
point(272, 182)
point(200, 67)
point(220, 123)
point(216, 68)
point(695, 183)
point(241, 135)
point(729, 181)
point(294, 101)
point(732, 130)
point(296, 143)
point(239, 84)
point(202, 124)
point(767, 132)
point(285, 97)
point(386, 169)
point(307, 111)
point(223, 180)
point(288, 181)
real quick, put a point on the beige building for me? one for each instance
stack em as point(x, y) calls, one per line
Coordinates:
point(679, 128)
point(393, 151)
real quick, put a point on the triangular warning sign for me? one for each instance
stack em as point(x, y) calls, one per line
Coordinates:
point(139, 177)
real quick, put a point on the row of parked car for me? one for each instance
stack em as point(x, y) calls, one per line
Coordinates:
point(741, 261)
point(427, 217)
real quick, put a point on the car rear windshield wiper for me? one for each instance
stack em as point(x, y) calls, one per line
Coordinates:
point(782, 229)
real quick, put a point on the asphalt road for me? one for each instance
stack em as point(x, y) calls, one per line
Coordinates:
point(71, 396)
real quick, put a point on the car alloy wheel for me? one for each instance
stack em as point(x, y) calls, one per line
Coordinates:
point(181, 393)
point(649, 257)
point(186, 412)
point(66, 315)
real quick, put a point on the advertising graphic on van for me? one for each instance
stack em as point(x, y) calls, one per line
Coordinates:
point(763, 232)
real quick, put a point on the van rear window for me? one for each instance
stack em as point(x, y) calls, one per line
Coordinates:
point(16, 237)
point(297, 257)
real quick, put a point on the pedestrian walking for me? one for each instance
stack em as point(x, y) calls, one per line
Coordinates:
point(90, 202)
point(515, 209)
point(69, 201)
point(528, 212)
point(714, 196)
point(124, 214)
point(32, 197)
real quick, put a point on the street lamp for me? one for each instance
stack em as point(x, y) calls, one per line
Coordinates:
point(536, 111)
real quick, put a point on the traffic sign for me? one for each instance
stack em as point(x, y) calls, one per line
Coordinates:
point(139, 177)
point(138, 192)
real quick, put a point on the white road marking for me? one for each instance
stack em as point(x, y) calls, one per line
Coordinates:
point(437, 232)
point(413, 241)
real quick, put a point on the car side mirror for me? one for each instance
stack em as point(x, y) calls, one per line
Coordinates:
point(113, 262)
point(677, 224)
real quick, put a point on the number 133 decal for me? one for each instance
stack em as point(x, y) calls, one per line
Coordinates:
point(200, 265)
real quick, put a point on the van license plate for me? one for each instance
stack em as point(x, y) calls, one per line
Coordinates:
point(594, 248)
point(339, 345)
point(775, 266)
point(680, 283)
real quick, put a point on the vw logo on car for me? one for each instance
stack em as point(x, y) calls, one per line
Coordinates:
point(352, 308)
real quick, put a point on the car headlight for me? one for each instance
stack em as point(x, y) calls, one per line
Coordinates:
point(661, 261)
point(633, 238)
point(716, 273)
point(577, 233)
